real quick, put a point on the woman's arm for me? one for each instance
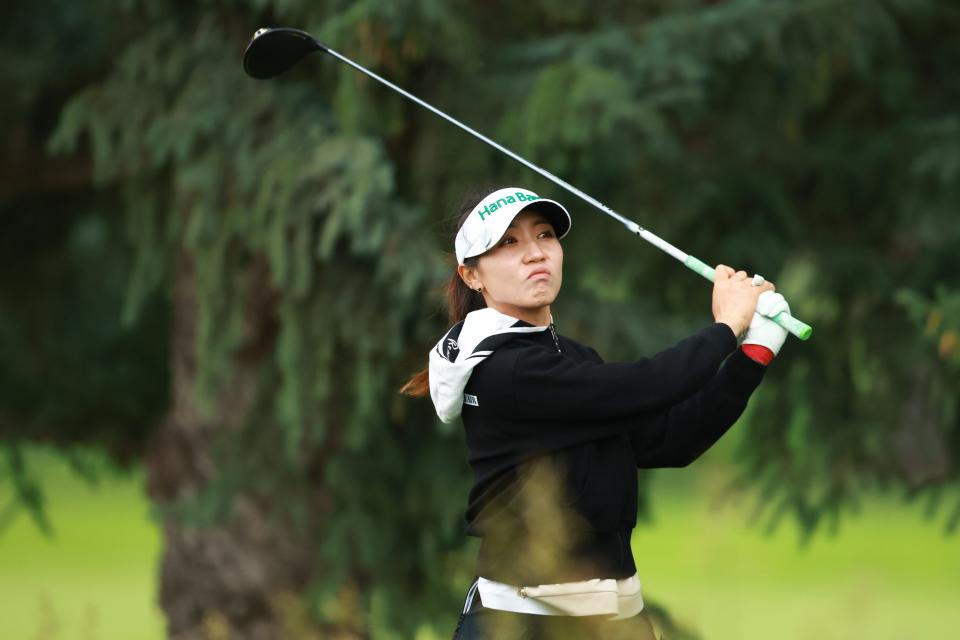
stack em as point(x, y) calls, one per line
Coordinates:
point(545, 385)
point(548, 386)
point(681, 434)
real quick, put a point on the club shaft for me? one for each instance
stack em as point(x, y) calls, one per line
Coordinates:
point(633, 226)
point(794, 326)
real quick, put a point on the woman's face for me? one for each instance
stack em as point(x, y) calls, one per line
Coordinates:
point(521, 275)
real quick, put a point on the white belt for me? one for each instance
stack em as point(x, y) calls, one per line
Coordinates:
point(599, 596)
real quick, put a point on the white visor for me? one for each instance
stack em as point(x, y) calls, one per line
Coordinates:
point(489, 220)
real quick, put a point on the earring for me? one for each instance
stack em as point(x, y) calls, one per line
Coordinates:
point(480, 289)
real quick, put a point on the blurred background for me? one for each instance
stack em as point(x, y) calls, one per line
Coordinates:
point(212, 287)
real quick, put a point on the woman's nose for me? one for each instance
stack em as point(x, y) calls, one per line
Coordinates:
point(533, 252)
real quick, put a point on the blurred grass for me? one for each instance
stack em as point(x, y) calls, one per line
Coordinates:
point(888, 575)
point(94, 578)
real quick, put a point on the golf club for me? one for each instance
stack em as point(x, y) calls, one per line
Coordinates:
point(273, 51)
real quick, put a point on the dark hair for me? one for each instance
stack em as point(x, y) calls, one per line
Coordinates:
point(461, 299)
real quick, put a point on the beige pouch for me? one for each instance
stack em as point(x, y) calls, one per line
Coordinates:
point(588, 598)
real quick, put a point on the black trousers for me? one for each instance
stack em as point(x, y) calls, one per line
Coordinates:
point(479, 623)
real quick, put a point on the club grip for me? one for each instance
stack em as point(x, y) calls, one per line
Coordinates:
point(796, 327)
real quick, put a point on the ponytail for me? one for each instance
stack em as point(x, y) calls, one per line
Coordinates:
point(461, 300)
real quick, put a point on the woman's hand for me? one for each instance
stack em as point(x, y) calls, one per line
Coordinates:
point(763, 331)
point(735, 298)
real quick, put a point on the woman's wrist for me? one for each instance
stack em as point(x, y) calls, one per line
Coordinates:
point(735, 326)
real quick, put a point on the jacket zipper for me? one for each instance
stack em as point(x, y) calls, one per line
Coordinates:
point(556, 341)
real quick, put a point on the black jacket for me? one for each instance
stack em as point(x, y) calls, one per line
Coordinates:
point(599, 422)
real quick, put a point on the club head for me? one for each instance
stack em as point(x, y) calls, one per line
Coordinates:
point(273, 51)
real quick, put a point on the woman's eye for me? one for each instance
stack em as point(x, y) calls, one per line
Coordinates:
point(546, 234)
point(507, 241)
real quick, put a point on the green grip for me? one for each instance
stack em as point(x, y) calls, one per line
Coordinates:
point(699, 267)
point(798, 328)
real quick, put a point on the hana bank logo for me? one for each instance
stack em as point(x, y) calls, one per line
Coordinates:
point(519, 196)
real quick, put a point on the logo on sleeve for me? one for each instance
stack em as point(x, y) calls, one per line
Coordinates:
point(450, 349)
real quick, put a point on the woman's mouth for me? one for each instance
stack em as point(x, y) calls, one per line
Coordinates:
point(539, 274)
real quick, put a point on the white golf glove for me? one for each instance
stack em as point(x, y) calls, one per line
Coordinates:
point(763, 331)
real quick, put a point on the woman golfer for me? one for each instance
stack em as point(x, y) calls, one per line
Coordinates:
point(555, 435)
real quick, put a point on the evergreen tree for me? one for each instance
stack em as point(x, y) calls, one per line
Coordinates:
point(278, 245)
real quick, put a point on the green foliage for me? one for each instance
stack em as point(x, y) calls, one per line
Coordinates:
point(73, 373)
point(813, 141)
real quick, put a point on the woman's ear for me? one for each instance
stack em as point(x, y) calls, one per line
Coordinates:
point(469, 276)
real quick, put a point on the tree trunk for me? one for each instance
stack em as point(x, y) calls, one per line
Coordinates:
point(229, 580)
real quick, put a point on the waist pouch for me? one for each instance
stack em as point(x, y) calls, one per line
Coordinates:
point(599, 596)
